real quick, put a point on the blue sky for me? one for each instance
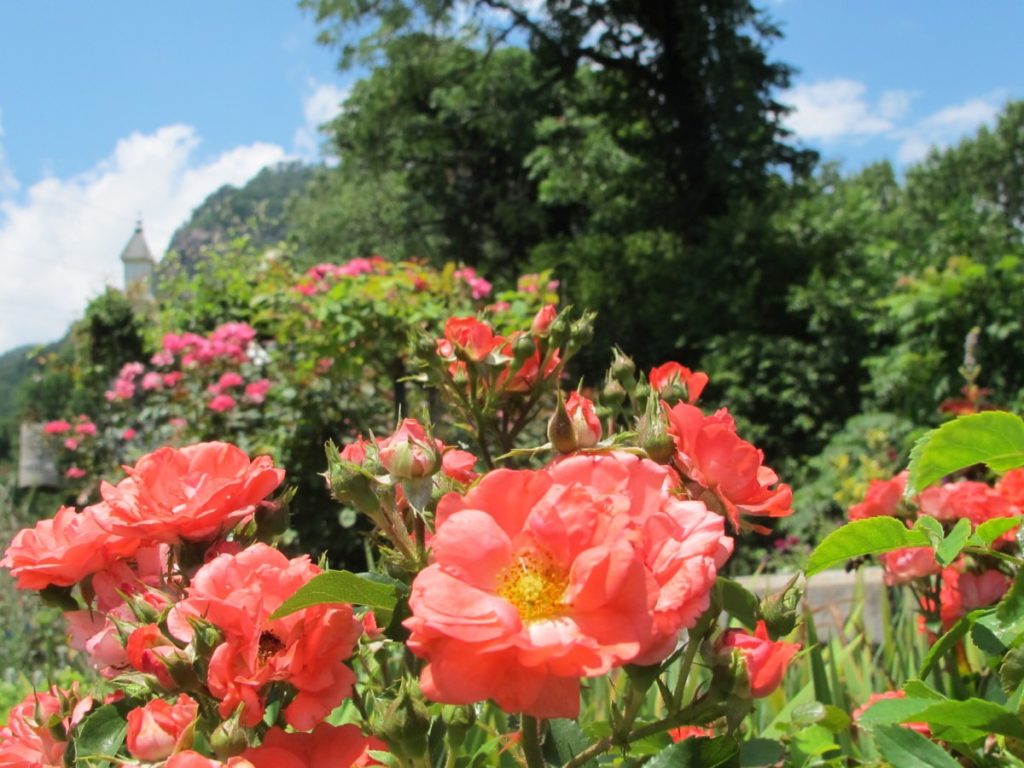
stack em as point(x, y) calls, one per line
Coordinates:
point(118, 106)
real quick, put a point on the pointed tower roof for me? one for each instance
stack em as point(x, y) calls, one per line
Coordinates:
point(137, 251)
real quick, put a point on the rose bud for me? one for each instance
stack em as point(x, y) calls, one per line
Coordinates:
point(766, 661)
point(159, 729)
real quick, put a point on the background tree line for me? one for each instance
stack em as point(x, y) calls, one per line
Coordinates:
point(637, 149)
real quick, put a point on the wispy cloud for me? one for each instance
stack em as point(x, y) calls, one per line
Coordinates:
point(60, 242)
point(947, 125)
point(833, 110)
point(322, 103)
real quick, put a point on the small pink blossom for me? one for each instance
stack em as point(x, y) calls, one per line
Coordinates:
point(56, 427)
point(74, 473)
point(222, 403)
point(229, 380)
point(71, 444)
point(129, 434)
point(256, 391)
point(151, 381)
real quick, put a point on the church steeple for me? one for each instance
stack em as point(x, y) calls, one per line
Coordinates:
point(138, 261)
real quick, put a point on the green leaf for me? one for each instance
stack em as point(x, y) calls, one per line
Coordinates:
point(569, 739)
point(992, 529)
point(994, 438)
point(949, 548)
point(738, 602)
point(761, 753)
point(342, 587)
point(893, 711)
point(907, 749)
point(969, 720)
point(722, 752)
point(945, 644)
point(863, 537)
point(1006, 622)
point(1011, 671)
point(100, 736)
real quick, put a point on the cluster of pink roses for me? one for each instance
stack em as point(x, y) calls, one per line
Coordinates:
point(947, 593)
point(320, 277)
point(75, 436)
point(169, 594)
point(188, 356)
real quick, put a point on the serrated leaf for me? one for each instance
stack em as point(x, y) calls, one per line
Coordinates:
point(863, 537)
point(949, 548)
point(969, 720)
point(721, 752)
point(761, 753)
point(569, 739)
point(992, 529)
point(994, 438)
point(342, 587)
point(907, 749)
point(1011, 671)
point(100, 736)
point(893, 711)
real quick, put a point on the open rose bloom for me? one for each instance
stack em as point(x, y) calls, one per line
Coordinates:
point(540, 578)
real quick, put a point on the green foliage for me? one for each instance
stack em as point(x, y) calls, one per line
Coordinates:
point(343, 587)
point(995, 439)
point(863, 537)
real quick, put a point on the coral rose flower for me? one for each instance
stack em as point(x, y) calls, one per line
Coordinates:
point(470, 339)
point(410, 453)
point(767, 661)
point(962, 592)
point(684, 732)
point(161, 728)
point(237, 594)
point(882, 499)
point(27, 739)
point(190, 759)
point(731, 470)
point(542, 577)
point(1011, 485)
point(66, 549)
point(460, 466)
point(674, 382)
point(196, 493)
point(328, 746)
point(586, 425)
point(907, 564)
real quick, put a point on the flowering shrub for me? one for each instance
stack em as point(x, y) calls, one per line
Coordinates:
point(302, 358)
point(511, 582)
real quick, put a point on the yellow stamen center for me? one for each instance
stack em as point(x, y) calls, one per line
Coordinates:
point(535, 586)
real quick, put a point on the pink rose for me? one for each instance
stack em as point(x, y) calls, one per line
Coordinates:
point(161, 728)
point(542, 577)
point(766, 661)
point(327, 745)
point(196, 493)
point(221, 403)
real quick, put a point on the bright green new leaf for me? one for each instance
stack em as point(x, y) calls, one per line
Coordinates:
point(994, 438)
point(949, 548)
point(863, 537)
point(342, 587)
point(992, 529)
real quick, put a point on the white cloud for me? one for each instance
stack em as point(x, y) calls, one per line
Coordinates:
point(321, 105)
point(947, 125)
point(8, 184)
point(61, 244)
point(830, 110)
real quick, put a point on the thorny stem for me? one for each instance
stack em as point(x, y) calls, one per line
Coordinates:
point(699, 712)
point(531, 742)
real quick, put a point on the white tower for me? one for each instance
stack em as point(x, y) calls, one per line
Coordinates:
point(138, 262)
